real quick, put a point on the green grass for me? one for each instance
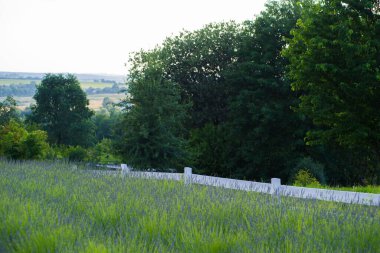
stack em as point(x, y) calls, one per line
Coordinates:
point(366, 189)
point(56, 207)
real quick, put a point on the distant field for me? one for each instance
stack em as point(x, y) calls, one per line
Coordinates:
point(95, 100)
point(84, 85)
point(17, 81)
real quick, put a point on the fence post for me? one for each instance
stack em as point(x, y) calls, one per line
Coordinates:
point(276, 184)
point(125, 169)
point(188, 175)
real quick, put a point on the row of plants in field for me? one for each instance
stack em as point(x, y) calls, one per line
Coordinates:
point(59, 207)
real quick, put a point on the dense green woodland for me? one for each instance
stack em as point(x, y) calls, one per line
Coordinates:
point(297, 88)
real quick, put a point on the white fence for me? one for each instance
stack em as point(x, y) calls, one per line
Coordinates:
point(274, 188)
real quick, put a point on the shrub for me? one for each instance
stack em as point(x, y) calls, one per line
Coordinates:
point(17, 143)
point(77, 154)
point(315, 169)
point(305, 178)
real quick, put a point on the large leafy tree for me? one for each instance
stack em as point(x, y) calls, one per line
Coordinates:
point(195, 61)
point(62, 110)
point(335, 66)
point(152, 129)
point(266, 133)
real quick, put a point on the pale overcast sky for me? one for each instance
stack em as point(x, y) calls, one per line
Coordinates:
point(96, 36)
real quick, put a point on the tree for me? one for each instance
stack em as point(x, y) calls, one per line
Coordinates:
point(8, 110)
point(105, 120)
point(62, 110)
point(195, 61)
point(266, 133)
point(335, 66)
point(153, 123)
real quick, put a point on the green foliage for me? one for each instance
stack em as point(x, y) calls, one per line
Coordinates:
point(76, 154)
point(62, 110)
point(54, 207)
point(196, 61)
point(8, 111)
point(305, 178)
point(17, 143)
point(35, 145)
point(105, 122)
point(334, 65)
point(207, 147)
point(104, 153)
point(265, 133)
point(153, 124)
point(316, 169)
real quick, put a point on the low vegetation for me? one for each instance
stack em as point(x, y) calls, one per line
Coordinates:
point(58, 207)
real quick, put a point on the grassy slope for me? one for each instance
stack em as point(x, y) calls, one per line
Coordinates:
point(55, 207)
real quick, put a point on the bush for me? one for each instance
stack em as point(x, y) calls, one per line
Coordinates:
point(77, 154)
point(305, 178)
point(17, 143)
point(315, 169)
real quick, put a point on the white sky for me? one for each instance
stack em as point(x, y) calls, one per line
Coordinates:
point(96, 36)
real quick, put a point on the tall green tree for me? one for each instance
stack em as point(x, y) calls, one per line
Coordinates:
point(335, 65)
point(152, 130)
point(62, 110)
point(195, 60)
point(266, 135)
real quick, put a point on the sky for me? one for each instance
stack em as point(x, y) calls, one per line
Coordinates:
point(96, 36)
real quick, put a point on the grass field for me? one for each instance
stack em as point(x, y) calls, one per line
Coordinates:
point(56, 207)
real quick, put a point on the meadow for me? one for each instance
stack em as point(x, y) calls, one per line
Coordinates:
point(60, 207)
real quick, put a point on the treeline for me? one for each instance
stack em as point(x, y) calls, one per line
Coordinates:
point(18, 90)
point(298, 88)
point(28, 90)
point(116, 88)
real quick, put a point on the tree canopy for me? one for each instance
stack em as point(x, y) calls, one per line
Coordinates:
point(152, 129)
point(62, 110)
point(335, 65)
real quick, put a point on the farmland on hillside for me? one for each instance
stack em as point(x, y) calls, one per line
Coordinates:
point(95, 100)
point(58, 207)
point(83, 84)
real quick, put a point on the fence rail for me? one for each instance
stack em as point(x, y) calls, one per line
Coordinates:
point(274, 188)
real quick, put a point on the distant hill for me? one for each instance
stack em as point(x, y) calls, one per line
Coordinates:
point(81, 77)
